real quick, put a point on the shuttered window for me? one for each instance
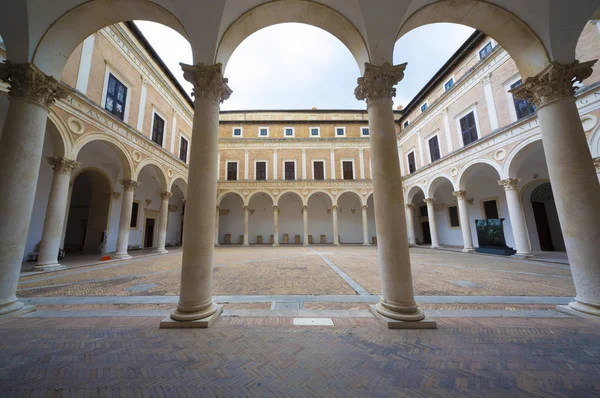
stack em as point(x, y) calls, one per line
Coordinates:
point(116, 95)
point(412, 165)
point(231, 171)
point(261, 171)
point(290, 170)
point(468, 129)
point(348, 171)
point(453, 214)
point(434, 149)
point(183, 149)
point(319, 170)
point(158, 129)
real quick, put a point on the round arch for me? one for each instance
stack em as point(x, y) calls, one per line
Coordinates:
point(58, 131)
point(330, 196)
point(92, 169)
point(300, 11)
point(224, 194)
point(352, 193)
point(120, 150)
point(467, 169)
point(436, 182)
point(413, 191)
point(181, 183)
point(516, 157)
point(160, 171)
point(519, 40)
point(66, 33)
point(253, 194)
point(304, 202)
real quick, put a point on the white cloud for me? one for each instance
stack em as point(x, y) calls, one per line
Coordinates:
point(296, 66)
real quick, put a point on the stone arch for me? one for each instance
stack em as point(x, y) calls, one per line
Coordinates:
point(516, 157)
point(94, 170)
point(353, 193)
point(436, 182)
point(224, 194)
point(183, 184)
point(66, 33)
point(331, 197)
point(519, 40)
point(120, 150)
point(160, 171)
point(413, 191)
point(302, 199)
point(470, 167)
point(595, 142)
point(300, 11)
point(58, 131)
point(249, 197)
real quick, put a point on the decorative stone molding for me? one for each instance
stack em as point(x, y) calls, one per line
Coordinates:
point(172, 208)
point(500, 154)
point(63, 165)
point(304, 208)
point(148, 202)
point(597, 164)
point(509, 183)
point(275, 192)
point(429, 201)
point(276, 209)
point(460, 194)
point(334, 192)
point(165, 195)
point(353, 211)
point(334, 207)
point(305, 192)
point(208, 81)
point(116, 195)
point(76, 126)
point(246, 208)
point(555, 82)
point(364, 192)
point(487, 79)
point(470, 201)
point(364, 207)
point(246, 192)
point(409, 206)
point(29, 83)
point(129, 184)
point(379, 81)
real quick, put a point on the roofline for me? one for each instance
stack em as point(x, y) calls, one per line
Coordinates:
point(300, 111)
point(462, 51)
point(137, 33)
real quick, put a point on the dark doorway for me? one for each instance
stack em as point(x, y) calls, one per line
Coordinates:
point(426, 232)
point(542, 225)
point(149, 233)
point(491, 209)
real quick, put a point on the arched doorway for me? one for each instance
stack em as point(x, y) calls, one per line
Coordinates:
point(320, 219)
point(231, 219)
point(291, 227)
point(260, 220)
point(87, 224)
point(349, 218)
point(542, 219)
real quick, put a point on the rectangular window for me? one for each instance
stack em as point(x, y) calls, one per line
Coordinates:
point(231, 171)
point(522, 107)
point(319, 170)
point(423, 210)
point(453, 215)
point(116, 95)
point(158, 129)
point(434, 148)
point(290, 170)
point(449, 84)
point(237, 131)
point(424, 107)
point(485, 51)
point(135, 208)
point(491, 209)
point(314, 132)
point(348, 170)
point(412, 165)
point(340, 131)
point(468, 128)
point(261, 171)
point(263, 132)
point(183, 149)
point(289, 131)
point(405, 125)
point(364, 131)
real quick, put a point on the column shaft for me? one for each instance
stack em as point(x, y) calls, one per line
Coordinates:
point(410, 224)
point(246, 215)
point(465, 225)
point(217, 227)
point(305, 224)
point(66, 219)
point(365, 225)
point(336, 236)
point(129, 187)
point(517, 217)
point(432, 225)
point(163, 222)
point(275, 226)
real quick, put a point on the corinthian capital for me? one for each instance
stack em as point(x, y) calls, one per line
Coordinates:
point(509, 183)
point(429, 201)
point(129, 184)
point(63, 165)
point(379, 81)
point(597, 164)
point(460, 194)
point(165, 195)
point(555, 82)
point(28, 82)
point(208, 81)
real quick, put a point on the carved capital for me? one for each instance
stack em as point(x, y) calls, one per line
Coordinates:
point(246, 208)
point(364, 207)
point(334, 207)
point(63, 165)
point(29, 83)
point(379, 81)
point(429, 201)
point(276, 209)
point(554, 83)
point(460, 194)
point(597, 164)
point(304, 208)
point(509, 183)
point(129, 184)
point(487, 79)
point(208, 81)
point(145, 81)
point(409, 206)
point(165, 195)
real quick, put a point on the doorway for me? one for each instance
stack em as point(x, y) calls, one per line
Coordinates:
point(149, 233)
point(426, 233)
point(542, 226)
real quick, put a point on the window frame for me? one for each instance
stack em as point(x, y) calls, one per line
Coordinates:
point(488, 43)
point(450, 218)
point(471, 108)
point(324, 168)
point(429, 138)
point(426, 105)
point(448, 81)
point(310, 129)
point(237, 170)
point(412, 151)
point(137, 221)
point(263, 136)
point(283, 162)
point(342, 168)
point(405, 124)
point(510, 98)
point(336, 130)
point(293, 132)
point(109, 70)
point(362, 133)
point(489, 199)
point(164, 133)
point(241, 132)
point(187, 151)
point(266, 162)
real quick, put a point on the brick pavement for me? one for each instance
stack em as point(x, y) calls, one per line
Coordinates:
point(251, 357)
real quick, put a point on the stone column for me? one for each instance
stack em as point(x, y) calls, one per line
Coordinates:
point(572, 175)
point(305, 223)
point(517, 216)
point(246, 215)
point(397, 295)
point(432, 225)
point(66, 219)
point(129, 187)
point(465, 225)
point(195, 300)
point(334, 213)
point(217, 227)
point(361, 161)
point(31, 93)
point(275, 225)
point(55, 213)
point(410, 224)
point(163, 221)
point(365, 225)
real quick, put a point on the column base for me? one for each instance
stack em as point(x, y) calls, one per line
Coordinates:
point(336, 244)
point(122, 256)
point(275, 244)
point(579, 309)
point(423, 323)
point(468, 250)
point(161, 251)
point(366, 244)
point(523, 255)
point(15, 309)
point(435, 246)
point(48, 267)
point(216, 244)
point(305, 244)
point(203, 323)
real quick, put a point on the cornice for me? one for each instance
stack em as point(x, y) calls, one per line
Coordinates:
point(295, 184)
point(299, 143)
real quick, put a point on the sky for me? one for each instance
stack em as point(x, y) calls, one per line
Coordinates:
point(297, 66)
